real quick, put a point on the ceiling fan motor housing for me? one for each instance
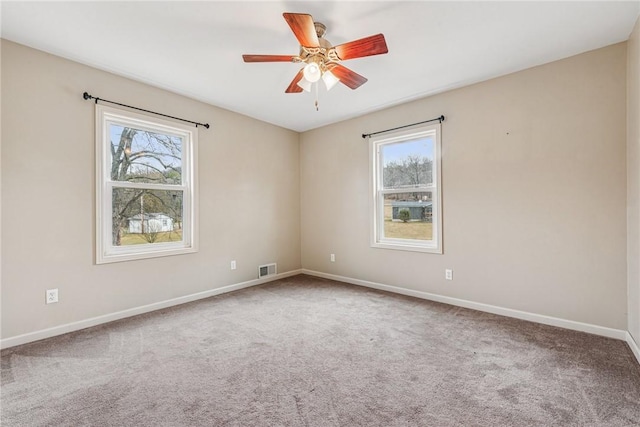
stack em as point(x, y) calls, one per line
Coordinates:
point(321, 29)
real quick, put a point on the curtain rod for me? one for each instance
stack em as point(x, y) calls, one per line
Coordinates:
point(440, 119)
point(87, 96)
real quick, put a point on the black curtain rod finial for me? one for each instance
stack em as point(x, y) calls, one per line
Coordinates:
point(87, 96)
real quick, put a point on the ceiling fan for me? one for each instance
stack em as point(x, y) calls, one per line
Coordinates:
point(321, 58)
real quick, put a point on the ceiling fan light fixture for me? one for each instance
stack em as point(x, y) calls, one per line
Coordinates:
point(312, 72)
point(305, 84)
point(329, 79)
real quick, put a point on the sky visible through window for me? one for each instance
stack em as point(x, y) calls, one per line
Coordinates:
point(157, 152)
point(422, 147)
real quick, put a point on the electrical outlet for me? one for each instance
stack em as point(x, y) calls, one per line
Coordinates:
point(333, 257)
point(448, 274)
point(51, 296)
point(233, 265)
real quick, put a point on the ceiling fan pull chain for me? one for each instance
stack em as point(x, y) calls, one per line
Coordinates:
point(316, 85)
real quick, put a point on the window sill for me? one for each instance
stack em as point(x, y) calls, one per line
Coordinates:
point(405, 246)
point(122, 256)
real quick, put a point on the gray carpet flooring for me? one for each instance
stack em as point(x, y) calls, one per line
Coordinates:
point(305, 351)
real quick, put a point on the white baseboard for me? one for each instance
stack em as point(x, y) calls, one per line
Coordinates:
point(538, 318)
point(94, 321)
point(633, 345)
point(532, 317)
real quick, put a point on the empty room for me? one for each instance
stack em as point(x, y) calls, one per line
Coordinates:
point(320, 213)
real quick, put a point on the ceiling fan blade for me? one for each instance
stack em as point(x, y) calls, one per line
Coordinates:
point(347, 77)
point(302, 26)
point(268, 58)
point(372, 45)
point(293, 86)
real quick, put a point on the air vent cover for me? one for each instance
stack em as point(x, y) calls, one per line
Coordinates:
point(267, 270)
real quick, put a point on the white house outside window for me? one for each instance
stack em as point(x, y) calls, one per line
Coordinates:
point(146, 186)
point(406, 195)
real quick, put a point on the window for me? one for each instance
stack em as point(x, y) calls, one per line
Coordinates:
point(405, 192)
point(145, 186)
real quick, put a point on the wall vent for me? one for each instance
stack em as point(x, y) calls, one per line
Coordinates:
point(267, 270)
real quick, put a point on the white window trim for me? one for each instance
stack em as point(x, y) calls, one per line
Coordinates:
point(376, 199)
point(106, 252)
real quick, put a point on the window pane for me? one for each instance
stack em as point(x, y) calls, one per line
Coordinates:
point(143, 156)
point(146, 216)
point(408, 164)
point(408, 216)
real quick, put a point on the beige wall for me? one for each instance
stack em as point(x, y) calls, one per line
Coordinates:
point(534, 193)
point(633, 180)
point(249, 197)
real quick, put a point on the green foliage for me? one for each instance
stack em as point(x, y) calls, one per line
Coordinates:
point(404, 215)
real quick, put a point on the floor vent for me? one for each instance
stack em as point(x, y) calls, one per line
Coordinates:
point(267, 270)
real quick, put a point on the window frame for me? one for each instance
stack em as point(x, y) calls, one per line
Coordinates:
point(106, 252)
point(377, 192)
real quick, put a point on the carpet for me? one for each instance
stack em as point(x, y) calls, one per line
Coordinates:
point(305, 351)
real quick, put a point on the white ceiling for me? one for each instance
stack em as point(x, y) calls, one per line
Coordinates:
point(195, 48)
